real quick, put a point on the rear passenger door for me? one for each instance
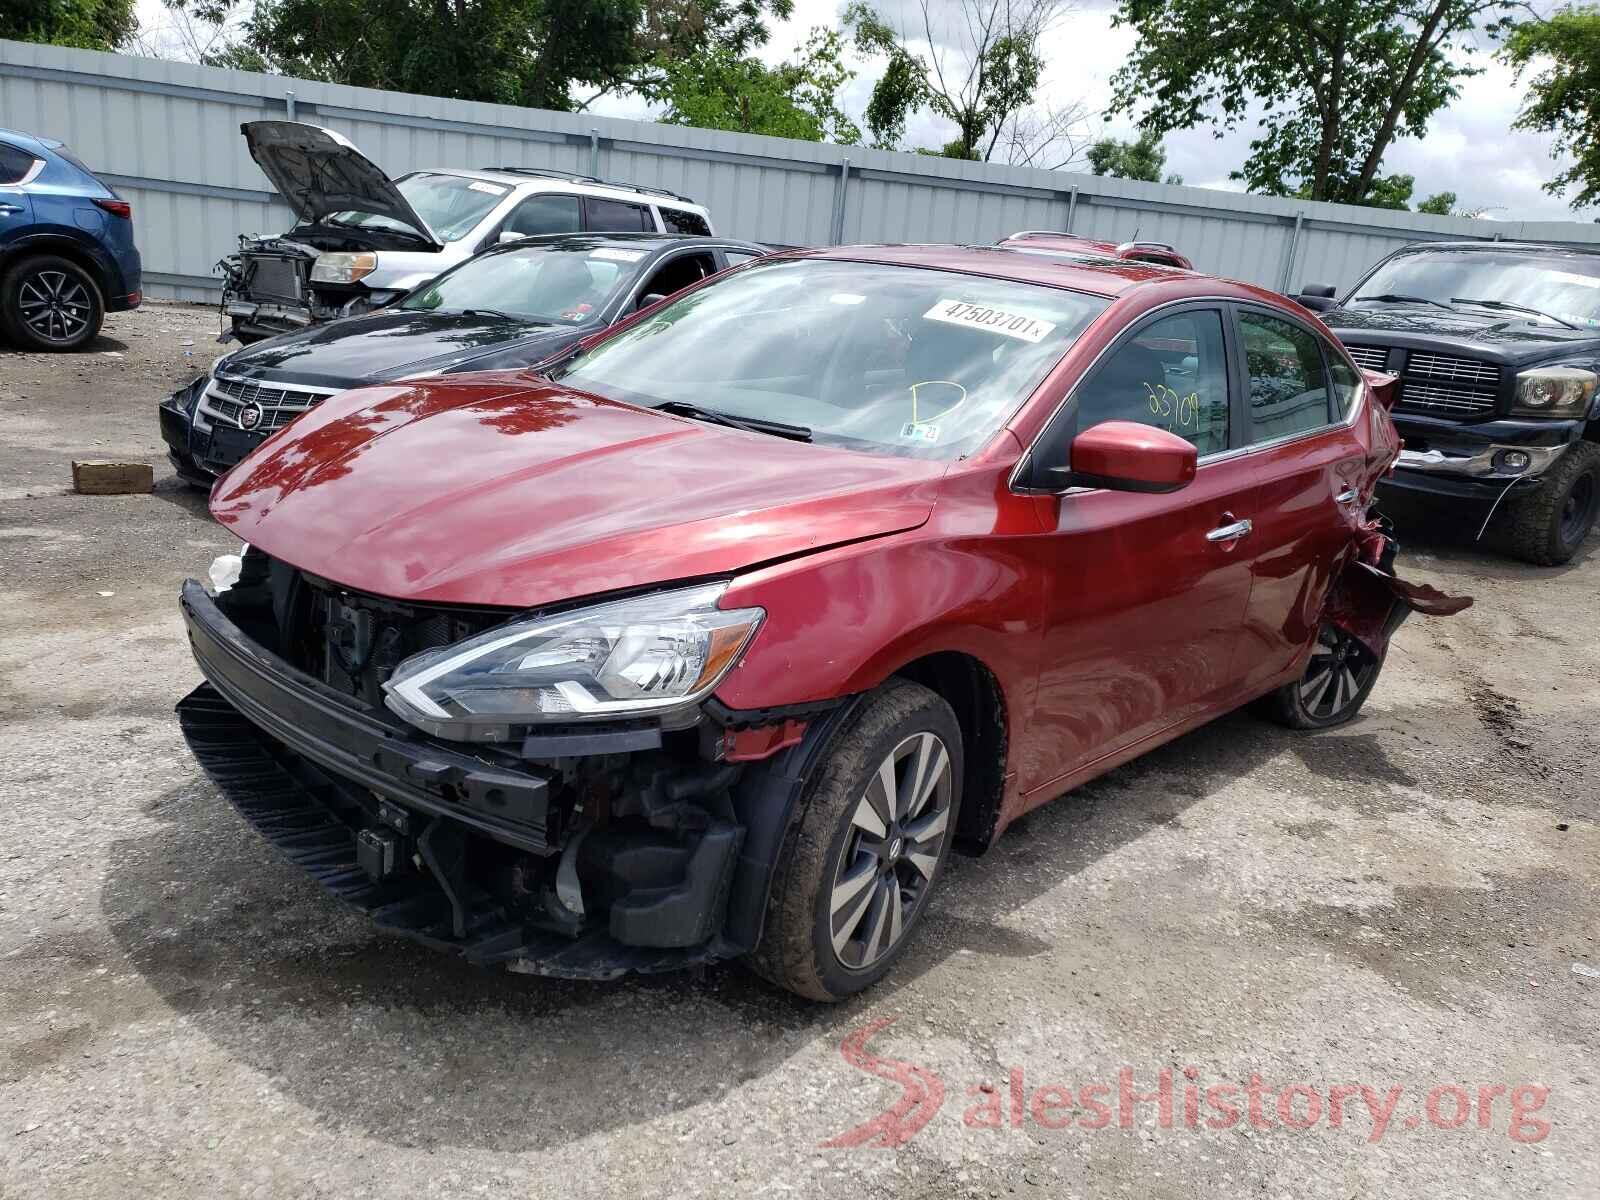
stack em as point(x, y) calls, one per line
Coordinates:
point(601, 215)
point(16, 210)
point(1307, 462)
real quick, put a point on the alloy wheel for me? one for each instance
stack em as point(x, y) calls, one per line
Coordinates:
point(1338, 674)
point(891, 850)
point(54, 305)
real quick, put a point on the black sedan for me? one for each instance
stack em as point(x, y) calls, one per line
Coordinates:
point(509, 307)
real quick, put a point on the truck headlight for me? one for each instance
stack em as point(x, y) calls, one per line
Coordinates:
point(338, 267)
point(651, 655)
point(1554, 392)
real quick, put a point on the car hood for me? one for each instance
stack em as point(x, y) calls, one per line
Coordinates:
point(320, 173)
point(1501, 335)
point(503, 489)
point(388, 344)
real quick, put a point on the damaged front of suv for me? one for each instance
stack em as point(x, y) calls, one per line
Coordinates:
point(359, 240)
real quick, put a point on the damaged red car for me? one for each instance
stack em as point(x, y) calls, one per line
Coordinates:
point(712, 638)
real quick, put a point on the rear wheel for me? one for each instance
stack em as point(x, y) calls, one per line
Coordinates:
point(867, 848)
point(1548, 525)
point(50, 303)
point(1337, 680)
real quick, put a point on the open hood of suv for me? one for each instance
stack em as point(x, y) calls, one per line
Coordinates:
point(503, 489)
point(320, 173)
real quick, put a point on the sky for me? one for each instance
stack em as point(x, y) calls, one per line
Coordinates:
point(1469, 148)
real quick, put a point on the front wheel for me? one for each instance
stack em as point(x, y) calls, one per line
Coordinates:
point(867, 847)
point(1337, 680)
point(1548, 525)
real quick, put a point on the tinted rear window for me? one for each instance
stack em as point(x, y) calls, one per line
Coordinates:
point(14, 163)
point(681, 220)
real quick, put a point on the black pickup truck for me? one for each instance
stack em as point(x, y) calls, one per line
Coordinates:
point(1497, 348)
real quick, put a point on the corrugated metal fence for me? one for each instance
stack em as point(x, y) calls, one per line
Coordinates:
point(166, 135)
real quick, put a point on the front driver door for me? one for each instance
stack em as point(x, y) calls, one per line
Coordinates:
point(1148, 591)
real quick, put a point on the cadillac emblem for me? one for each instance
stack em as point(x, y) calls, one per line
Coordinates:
point(250, 415)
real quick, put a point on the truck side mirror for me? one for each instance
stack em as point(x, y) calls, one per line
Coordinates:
point(1318, 297)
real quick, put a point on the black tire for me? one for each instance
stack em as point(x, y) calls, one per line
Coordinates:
point(50, 303)
point(1336, 683)
point(828, 854)
point(1548, 525)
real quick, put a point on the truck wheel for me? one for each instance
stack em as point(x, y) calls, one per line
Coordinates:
point(1335, 685)
point(870, 840)
point(50, 303)
point(1548, 525)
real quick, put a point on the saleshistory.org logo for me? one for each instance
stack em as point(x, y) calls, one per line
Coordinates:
point(1181, 1100)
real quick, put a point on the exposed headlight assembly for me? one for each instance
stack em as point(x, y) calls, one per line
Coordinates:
point(1554, 392)
point(656, 655)
point(338, 267)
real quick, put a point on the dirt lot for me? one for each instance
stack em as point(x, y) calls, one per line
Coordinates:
point(1397, 905)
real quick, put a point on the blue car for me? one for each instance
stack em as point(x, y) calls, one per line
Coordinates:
point(66, 246)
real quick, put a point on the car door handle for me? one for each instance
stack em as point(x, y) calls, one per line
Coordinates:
point(8, 209)
point(1348, 496)
point(1229, 533)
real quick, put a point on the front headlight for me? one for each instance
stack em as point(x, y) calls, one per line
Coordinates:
point(1554, 392)
point(655, 655)
point(338, 267)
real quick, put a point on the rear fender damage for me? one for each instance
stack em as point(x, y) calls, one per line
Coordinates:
point(1370, 602)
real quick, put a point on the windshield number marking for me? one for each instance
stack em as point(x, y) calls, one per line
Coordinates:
point(993, 320)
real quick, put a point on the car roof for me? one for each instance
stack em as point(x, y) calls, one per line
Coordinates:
point(537, 178)
point(28, 141)
point(1109, 277)
point(1514, 247)
point(653, 243)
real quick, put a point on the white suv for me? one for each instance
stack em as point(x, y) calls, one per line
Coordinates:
point(363, 239)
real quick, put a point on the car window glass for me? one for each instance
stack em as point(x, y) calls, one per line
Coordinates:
point(1345, 383)
point(678, 274)
point(545, 214)
point(681, 220)
point(1172, 374)
point(14, 164)
point(735, 257)
point(613, 216)
point(560, 286)
point(1288, 392)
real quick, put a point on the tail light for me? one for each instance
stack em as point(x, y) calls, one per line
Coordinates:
point(117, 208)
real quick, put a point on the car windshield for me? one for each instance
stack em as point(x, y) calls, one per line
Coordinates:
point(451, 205)
point(1565, 287)
point(555, 284)
point(886, 359)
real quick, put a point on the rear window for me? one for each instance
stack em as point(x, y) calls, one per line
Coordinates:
point(681, 220)
point(614, 216)
point(14, 164)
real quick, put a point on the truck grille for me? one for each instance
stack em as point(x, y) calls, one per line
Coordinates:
point(225, 400)
point(1449, 387)
point(1373, 358)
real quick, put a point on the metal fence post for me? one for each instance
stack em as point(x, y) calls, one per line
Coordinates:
point(1072, 207)
point(594, 153)
point(288, 104)
point(838, 202)
point(1286, 267)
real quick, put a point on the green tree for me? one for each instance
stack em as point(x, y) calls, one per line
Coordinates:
point(1140, 159)
point(1333, 82)
point(718, 89)
point(1440, 204)
point(1562, 98)
point(526, 52)
point(980, 73)
point(87, 24)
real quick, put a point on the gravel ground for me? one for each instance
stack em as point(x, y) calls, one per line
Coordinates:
point(1400, 904)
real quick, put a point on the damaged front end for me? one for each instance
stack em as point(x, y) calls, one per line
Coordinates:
point(583, 851)
point(272, 285)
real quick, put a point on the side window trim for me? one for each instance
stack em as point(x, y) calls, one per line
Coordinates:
point(1069, 401)
point(1240, 309)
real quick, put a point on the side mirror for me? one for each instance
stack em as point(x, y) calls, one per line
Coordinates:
point(1125, 456)
point(507, 236)
point(649, 298)
point(1318, 297)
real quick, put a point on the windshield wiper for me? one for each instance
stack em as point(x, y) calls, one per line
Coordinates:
point(495, 312)
point(1396, 298)
point(1510, 307)
point(682, 408)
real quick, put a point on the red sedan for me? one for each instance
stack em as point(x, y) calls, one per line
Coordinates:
point(713, 637)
